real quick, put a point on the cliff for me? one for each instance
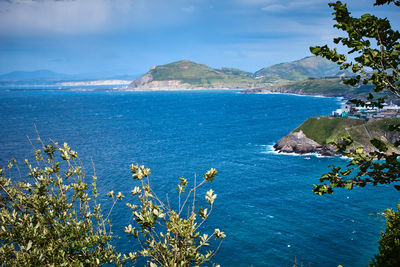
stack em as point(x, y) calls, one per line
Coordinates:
point(315, 134)
point(299, 143)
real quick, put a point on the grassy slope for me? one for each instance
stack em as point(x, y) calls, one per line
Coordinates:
point(326, 129)
point(201, 75)
point(309, 67)
point(327, 87)
point(234, 71)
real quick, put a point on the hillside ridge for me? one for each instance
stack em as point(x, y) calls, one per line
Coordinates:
point(186, 74)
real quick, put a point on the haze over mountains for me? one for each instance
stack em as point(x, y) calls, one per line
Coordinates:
point(309, 67)
point(310, 76)
point(48, 76)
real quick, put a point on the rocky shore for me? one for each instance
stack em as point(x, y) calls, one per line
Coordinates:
point(315, 134)
point(299, 143)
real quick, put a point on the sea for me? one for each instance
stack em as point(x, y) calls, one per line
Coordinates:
point(264, 203)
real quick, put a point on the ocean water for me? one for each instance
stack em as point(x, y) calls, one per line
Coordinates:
point(264, 203)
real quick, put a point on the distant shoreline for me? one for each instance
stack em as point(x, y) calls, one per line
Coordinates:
point(124, 89)
point(295, 94)
point(94, 83)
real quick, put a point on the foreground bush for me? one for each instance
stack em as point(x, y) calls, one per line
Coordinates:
point(171, 237)
point(52, 218)
point(389, 244)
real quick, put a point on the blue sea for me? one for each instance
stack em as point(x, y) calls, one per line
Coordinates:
point(264, 204)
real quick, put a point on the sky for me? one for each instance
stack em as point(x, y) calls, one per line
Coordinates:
point(112, 37)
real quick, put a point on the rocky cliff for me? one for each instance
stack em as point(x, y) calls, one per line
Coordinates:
point(316, 133)
point(299, 143)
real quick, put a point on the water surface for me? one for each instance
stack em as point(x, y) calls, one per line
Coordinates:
point(264, 204)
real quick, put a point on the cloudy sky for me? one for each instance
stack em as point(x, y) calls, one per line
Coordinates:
point(129, 36)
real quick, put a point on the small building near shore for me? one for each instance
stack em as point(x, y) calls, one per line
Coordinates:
point(349, 110)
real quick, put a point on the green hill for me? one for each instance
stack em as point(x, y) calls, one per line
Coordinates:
point(234, 71)
point(308, 67)
point(186, 74)
point(327, 129)
point(201, 75)
point(315, 134)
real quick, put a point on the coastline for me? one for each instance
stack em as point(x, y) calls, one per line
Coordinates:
point(124, 88)
point(272, 150)
point(316, 134)
point(265, 91)
point(296, 94)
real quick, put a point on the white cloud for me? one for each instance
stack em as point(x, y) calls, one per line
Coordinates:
point(188, 9)
point(256, 2)
point(53, 16)
point(274, 7)
point(87, 16)
point(293, 5)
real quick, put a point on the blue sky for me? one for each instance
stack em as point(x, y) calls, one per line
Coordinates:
point(129, 36)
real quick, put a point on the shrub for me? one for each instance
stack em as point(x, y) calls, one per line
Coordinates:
point(52, 218)
point(171, 237)
point(389, 243)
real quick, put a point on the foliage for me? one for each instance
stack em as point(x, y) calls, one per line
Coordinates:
point(171, 237)
point(377, 47)
point(389, 244)
point(52, 218)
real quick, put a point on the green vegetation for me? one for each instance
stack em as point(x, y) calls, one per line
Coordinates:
point(171, 237)
point(361, 33)
point(326, 87)
point(233, 71)
point(52, 217)
point(309, 67)
point(389, 244)
point(325, 130)
point(199, 75)
point(377, 48)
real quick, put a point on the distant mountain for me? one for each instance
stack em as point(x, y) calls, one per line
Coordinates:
point(50, 77)
point(308, 67)
point(186, 74)
point(33, 75)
